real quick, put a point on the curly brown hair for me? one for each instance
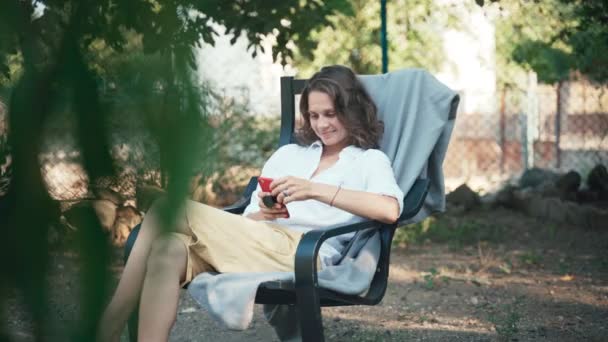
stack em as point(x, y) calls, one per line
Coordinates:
point(354, 107)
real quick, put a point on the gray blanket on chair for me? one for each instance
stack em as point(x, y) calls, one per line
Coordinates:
point(417, 110)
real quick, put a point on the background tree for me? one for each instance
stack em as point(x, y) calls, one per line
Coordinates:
point(552, 38)
point(588, 37)
point(51, 50)
point(354, 40)
point(523, 29)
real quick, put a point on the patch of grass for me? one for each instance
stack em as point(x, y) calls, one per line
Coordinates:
point(506, 267)
point(432, 279)
point(564, 266)
point(505, 319)
point(551, 231)
point(531, 258)
point(429, 279)
point(601, 263)
point(506, 326)
point(456, 233)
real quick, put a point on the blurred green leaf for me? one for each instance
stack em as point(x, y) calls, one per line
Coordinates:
point(62, 56)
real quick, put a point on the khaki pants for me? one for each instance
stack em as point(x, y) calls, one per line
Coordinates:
point(225, 242)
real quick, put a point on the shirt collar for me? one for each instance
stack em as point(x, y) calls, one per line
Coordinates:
point(349, 150)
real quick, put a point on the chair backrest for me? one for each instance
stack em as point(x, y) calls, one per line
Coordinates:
point(290, 87)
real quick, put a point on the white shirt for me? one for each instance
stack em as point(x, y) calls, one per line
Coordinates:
point(356, 169)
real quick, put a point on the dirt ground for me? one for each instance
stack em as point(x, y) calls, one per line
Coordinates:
point(488, 275)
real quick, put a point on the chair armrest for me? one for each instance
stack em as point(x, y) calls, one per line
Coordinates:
point(239, 206)
point(414, 199)
point(308, 249)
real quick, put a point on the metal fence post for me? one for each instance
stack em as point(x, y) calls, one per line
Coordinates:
point(383, 36)
point(502, 129)
point(558, 125)
point(530, 121)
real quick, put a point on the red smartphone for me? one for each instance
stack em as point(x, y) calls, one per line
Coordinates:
point(265, 183)
point(269, 201)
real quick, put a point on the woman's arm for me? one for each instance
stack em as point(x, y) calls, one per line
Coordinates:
point(361, 203)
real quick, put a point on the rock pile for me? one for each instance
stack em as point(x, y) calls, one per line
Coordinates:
point(560, 197)
point(463, 199)
point(115, 216)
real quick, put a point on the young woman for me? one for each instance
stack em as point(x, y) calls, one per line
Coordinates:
point(333, 176)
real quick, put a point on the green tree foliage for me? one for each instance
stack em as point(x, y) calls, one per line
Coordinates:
point(165, 25)
point(60, 49)
point(553, 38)
point(589, 38)
point(551, 64)
point(354, 40)
point(522, 28)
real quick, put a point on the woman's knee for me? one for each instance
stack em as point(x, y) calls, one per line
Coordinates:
point(158, 217)
point(167, 252)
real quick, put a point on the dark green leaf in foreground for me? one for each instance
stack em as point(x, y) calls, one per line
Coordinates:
point(55, 56)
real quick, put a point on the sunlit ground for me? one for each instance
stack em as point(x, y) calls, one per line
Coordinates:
point(531, 281)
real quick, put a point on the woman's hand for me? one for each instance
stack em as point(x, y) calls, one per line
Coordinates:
point(269, 214)
point(289, 189)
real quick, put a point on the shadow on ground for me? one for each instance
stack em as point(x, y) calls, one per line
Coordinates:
point(512, 278)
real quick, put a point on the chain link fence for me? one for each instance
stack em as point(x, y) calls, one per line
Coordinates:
point(135, 150)
point(559, 127)
point(132, 148)
point(67, 180)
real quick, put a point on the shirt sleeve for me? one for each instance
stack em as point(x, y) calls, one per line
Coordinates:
point(380, 177)
point(271, 169)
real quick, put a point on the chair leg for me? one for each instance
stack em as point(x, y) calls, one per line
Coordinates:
point(132, 324)
point(131, 242)
point(309, 314)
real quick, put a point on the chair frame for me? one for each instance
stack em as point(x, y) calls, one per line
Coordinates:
point(306, 294)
